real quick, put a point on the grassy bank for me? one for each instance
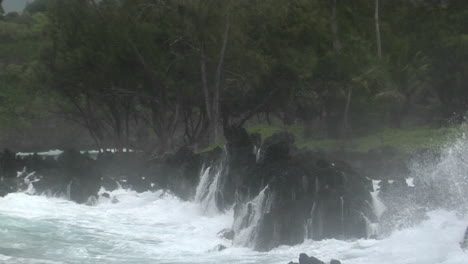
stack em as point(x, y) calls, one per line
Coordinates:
point(401, 140)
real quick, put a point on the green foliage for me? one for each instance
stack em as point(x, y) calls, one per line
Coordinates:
point(265, 131)
point(181, 68)
point(20, 98)
point(37, 6)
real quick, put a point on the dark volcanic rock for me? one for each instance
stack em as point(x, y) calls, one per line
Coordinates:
point(277, 147)
point(74, 175)
point(7, 185)
point(227, 234)
point(219, 248)
point(183, 170)
point(8, 164)
point(305, 259)
point(301, 192)
point(82, 175)
point(464, 242)
point(78, 177)
point(176, 172)
point(240, 159)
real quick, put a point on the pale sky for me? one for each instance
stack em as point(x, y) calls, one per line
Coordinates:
point(14, 5)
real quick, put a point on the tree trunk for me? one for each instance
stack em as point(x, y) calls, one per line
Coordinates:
point(377, 29)
point(345, 128)
point(206, 92)
point(217, 85)
point(334, 28)
point(213, 97)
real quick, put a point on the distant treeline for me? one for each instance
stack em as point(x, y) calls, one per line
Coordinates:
point(159, 74)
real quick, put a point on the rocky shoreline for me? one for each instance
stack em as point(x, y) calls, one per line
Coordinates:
point(281, 195)
point(305, 259)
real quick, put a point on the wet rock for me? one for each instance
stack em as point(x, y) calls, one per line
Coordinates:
point(109, 183)
point(114, 200)
point(183, 169)
point(82, 177)
point(8, 164)
point(305, 259)
point(73, 175)
point(219, 248)
point(464, 242)
point(240, 158)
point(7, 185)
point(305, 192)
point(226, 234)
point(277, 147)
point(106, 195)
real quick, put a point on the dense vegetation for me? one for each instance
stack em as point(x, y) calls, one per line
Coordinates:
point(159, 74)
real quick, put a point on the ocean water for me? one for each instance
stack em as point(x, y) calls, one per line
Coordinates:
point(159, 228)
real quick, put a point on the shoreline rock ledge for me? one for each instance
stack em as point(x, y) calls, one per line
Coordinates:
point(306, 259)
point(280, 194)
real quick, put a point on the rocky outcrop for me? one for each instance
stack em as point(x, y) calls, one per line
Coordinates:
point(305, 259)
point(464, 242)
point(281, 194)
point(227, 234)
point(78, 177)
point(286, 195)
point(72, 175)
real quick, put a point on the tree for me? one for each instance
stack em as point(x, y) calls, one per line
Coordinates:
point(377, 29)
point(37, 6)
point(2, 11)
point(19, 95)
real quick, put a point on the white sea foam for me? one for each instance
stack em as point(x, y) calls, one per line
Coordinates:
point(159, 228)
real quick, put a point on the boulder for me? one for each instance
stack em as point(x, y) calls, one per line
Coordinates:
point(73, 175)
point(114, 200)
point(227, 234)
point(219, 248)
point(305, 259)
point(464, 242)
point(8, 164)
point(82, 175)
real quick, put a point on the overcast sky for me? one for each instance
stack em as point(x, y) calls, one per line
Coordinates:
point(14, 5)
